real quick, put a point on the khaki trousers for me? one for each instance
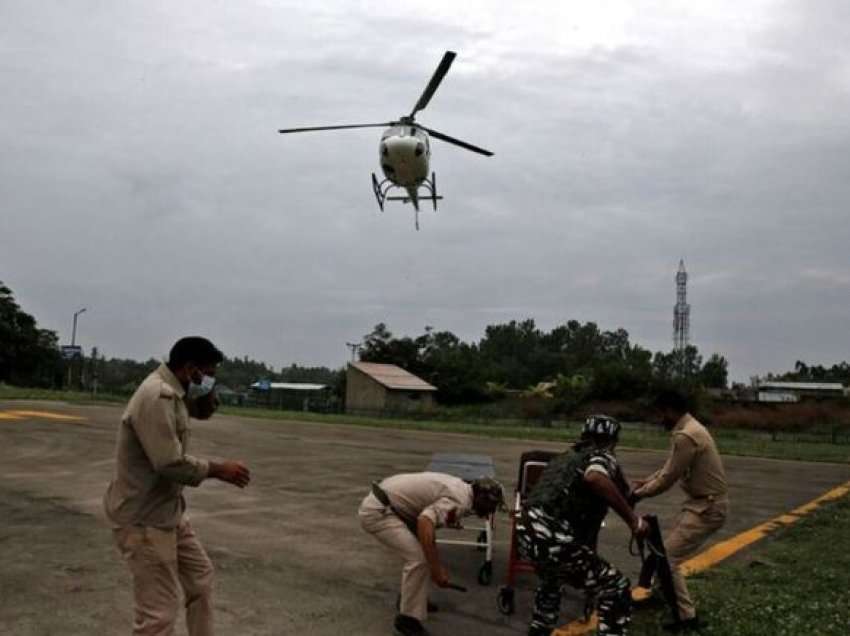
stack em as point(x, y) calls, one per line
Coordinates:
point(387, 528)
point(162, 562)
point(694, 526)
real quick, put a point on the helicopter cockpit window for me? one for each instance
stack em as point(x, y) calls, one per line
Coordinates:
point(413, 131)
point(420, 148)
point(388, 169)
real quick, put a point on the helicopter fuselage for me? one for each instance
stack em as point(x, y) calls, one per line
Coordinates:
point(405, 154)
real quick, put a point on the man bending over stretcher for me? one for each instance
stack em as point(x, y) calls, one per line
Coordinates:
point(403, 512)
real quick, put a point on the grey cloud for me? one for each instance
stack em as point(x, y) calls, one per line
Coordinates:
point(143, 176)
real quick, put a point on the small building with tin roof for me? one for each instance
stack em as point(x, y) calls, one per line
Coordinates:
point(372, 387)
point(292, 396)
point(795, 391)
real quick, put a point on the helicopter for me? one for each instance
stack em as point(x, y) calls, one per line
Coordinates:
point(405, 150)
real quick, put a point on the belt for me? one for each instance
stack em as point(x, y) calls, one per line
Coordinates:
point(382, 496)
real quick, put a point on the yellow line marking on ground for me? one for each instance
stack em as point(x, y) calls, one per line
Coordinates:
point(46, 415)
point(721, 551)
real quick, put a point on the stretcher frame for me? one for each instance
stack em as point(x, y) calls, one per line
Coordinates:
point(470, 467)
point(531, 467)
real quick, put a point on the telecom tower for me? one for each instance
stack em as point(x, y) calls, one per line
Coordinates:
point(682, 311)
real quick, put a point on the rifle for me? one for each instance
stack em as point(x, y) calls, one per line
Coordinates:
point(656, 563)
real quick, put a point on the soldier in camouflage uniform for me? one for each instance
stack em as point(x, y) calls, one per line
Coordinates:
point(560, 523)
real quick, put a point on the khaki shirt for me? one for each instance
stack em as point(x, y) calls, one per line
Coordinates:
point(694, 462)
point(152, 465)
point(443, 499)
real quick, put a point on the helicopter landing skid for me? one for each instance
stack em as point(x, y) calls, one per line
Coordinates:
point(382, 189)
point(380, 192)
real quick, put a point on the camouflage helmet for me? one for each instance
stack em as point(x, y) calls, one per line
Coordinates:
point(488, 493)
point(601, 426)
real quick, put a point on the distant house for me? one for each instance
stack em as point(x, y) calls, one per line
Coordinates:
point(292, 396)
point(372, 388)
point(795, 391)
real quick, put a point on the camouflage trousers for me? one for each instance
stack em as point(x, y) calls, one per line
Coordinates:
point(560, 559)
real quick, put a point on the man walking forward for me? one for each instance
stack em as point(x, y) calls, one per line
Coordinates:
point(145, 503)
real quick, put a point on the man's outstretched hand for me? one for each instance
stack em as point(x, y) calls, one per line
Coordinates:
point(232, 472)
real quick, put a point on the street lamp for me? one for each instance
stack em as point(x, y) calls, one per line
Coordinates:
point(355, 347)
point(72, 352)
point(74, 332)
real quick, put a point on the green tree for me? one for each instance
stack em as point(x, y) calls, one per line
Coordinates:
point(509, 352)
point(715, 372)
point(29, 356)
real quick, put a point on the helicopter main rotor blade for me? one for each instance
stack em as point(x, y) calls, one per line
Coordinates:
point(457, 142)
point(310, 128)
point(436, 78)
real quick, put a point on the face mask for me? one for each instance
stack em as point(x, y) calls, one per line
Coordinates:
point(199, 390)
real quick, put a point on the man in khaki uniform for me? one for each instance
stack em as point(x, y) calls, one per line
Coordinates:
point(145, 501)
point(695, 463)
point(403, 512)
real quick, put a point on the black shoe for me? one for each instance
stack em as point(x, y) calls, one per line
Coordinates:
point(408, 626)
point(433, 608)
point(688, 625)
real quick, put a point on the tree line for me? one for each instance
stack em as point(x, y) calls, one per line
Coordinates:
point(31, 357)
point(815, 373)
point(121, 375)
point(573, 362)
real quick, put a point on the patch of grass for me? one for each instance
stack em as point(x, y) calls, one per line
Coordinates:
point(730, 442)
point(77, 397)
point(797, 584)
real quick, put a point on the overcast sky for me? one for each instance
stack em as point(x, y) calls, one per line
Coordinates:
point(141, 174)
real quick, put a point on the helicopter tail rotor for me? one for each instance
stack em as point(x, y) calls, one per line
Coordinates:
point(434, 83)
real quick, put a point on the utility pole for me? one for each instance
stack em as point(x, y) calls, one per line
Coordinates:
point(94, 371)
point(355, 347)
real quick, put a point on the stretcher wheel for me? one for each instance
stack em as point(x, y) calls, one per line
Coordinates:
point(485, 574)
point(505, 600)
